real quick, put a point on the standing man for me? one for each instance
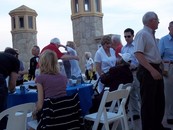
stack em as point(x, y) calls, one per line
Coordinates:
point(54, 46)
point(149, 74)
point(75, 68)
point(9, 66)
point(33, 62)
point(166, 51)
point(134, 93)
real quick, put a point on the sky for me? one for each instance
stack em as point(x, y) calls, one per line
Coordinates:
point(54, 18)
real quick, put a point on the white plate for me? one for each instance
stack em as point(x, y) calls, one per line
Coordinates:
point(29, 82)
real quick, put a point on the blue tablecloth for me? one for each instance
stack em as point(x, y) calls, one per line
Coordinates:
point(85, 95)
point(20, 98)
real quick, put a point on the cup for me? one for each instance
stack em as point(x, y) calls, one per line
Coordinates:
point(70, 82)
point(78, 81)
point(22, 89)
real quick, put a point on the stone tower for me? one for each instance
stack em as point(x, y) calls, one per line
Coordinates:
point(87, 26)
point(24, 31)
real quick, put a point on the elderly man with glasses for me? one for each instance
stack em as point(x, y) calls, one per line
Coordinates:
point(149, 74)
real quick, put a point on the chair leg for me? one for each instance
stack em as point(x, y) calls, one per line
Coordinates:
point(131, 115)
point(95, 125)
point(126, 127)
point(115, 125)
point(121, 124)
point(106, 126)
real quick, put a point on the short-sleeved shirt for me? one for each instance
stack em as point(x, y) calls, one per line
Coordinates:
point(53, 48)
point(75, 69)
point(129, 48)
point(166, 47)
point(89, 63)
point(33, 66)
point(118, 50)
point(8, 64)
point(54, 86)
point(145, 43)
point(106, 62)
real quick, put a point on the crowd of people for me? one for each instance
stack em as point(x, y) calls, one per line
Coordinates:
point(150, 62)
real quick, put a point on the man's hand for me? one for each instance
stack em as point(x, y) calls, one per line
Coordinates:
point(76, 58)
point(155, 74)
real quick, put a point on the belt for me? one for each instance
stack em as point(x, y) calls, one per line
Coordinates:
point(170, 62)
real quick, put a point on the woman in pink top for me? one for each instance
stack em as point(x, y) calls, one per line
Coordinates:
point(50, 83)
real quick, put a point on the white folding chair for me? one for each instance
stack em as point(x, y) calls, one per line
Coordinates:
point(129, 105)
point(33, 124)
point(17, 116)
point(105, 116)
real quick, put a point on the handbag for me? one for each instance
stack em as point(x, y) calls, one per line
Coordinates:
point(90, 75)
point(105, 78)
point(94, 76)
point(87, 75)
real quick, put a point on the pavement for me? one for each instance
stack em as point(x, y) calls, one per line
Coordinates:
point(136, 125)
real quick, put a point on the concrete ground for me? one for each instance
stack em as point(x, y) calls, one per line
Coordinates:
point(137, 125)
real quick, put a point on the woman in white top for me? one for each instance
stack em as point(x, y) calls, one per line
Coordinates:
point(89, 66)
point(104, 58)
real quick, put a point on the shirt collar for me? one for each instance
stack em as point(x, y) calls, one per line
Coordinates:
point(131, 44)
point(149, 29)
point(170, 37)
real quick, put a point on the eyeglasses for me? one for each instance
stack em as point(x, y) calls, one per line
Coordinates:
point(127, 36)
point(156, 19)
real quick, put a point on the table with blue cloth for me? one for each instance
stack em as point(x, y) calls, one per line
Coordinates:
point(19, 97)
point(85, 91)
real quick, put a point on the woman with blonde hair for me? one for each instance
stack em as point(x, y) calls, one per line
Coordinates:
point(50, 83)
point(89, 67)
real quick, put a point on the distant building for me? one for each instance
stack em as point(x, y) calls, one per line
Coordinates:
point(86, 16)
point(24, 31)
point(87, 26)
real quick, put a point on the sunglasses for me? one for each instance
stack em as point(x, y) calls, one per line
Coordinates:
point(127, 36)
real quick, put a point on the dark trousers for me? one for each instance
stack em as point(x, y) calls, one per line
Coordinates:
point(152, 99)
point(67, 67)
point(3, 100)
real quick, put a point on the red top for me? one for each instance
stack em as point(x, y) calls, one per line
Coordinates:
point(118, 50)
point(53, 48)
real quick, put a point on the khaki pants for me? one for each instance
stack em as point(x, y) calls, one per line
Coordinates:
point(168, 88)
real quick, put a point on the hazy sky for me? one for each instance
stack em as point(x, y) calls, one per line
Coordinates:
point(54, 18)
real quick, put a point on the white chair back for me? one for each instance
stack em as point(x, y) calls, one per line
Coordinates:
point(17, 116)
point(106, 116)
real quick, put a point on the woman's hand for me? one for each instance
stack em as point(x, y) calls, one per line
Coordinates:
point(34, 114)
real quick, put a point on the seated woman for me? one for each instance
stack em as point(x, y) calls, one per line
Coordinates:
point(50, 83)
point(54, 109)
